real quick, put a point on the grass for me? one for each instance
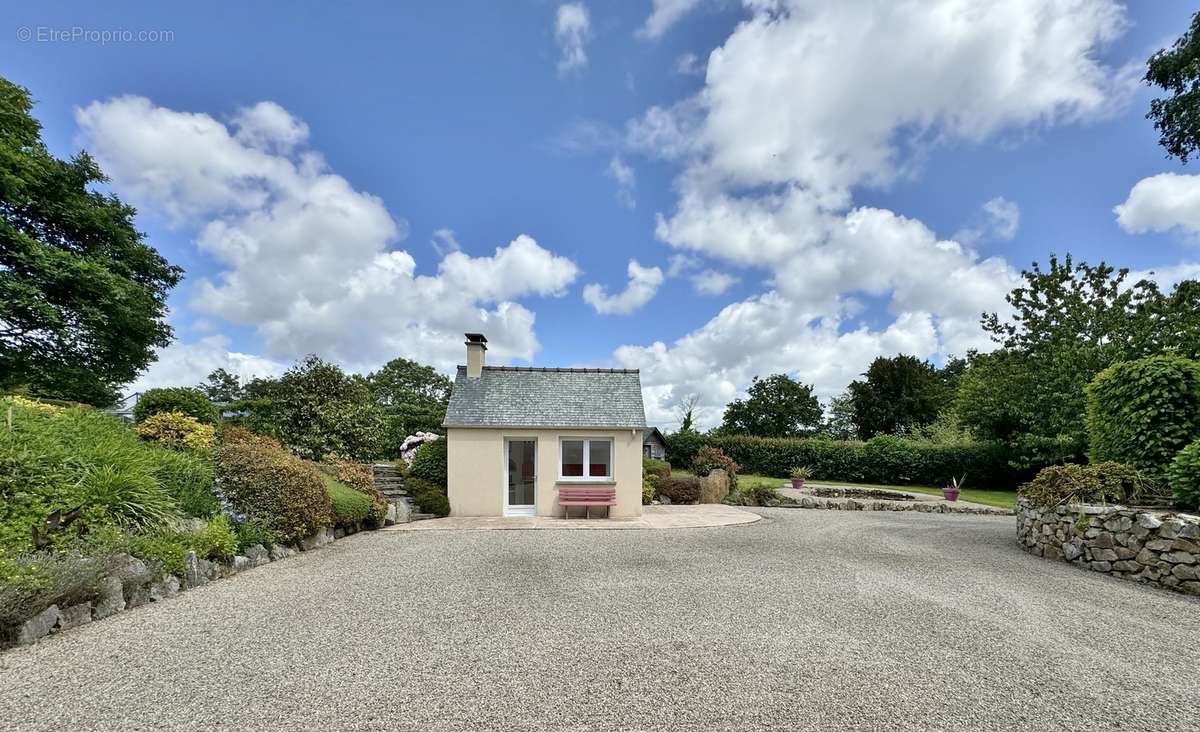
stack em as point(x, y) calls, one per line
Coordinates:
point(1000, 499)
point(349, 506)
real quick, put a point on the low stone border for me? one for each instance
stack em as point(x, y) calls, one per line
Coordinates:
point(852, 504)
point(1152, 547)
point(130, 583)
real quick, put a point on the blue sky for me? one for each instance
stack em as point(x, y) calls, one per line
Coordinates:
point(791, 204)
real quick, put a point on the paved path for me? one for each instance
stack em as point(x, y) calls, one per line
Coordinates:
point(806, 620)
point(700, 516)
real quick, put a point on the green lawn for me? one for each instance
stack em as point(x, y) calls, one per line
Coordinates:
point(999, 499)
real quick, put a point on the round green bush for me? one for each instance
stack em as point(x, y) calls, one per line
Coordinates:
point(680, 488)
point(1184, 476)
point(428, 496)
point(182, 399)
point(1143, 412)
point(264, 481)
point(430, 462)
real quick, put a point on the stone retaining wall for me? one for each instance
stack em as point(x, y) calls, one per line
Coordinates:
point(130, 583)
point(1156, 548)
point(854, 504)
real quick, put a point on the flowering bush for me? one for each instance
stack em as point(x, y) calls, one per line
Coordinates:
point(177, 430)
point(408, 448)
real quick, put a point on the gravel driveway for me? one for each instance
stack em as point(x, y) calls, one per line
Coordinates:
point(807, 620)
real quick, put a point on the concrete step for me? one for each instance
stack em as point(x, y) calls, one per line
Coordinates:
point(420, 516)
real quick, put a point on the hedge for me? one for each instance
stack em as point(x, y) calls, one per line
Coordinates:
point(430, 462)
point(1143, 412)
point(1184, 476)
point(183, 399)
point(884, 460)
point(263, 481)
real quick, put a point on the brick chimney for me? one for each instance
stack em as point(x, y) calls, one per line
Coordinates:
point(476, 347)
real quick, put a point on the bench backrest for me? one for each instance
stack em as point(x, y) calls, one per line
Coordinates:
point(587, 493)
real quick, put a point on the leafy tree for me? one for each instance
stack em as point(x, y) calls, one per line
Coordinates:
point(82, 297)
point(1177, 71)
point(413, 398)
point(777, 406)
point(222, 387)
point(897, 395)
point(839, 420)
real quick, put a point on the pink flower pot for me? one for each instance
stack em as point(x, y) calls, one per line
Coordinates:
point(797, 483)
point(950, 494)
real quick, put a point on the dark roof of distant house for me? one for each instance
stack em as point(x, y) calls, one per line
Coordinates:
point(651, 433)
point(522, 396)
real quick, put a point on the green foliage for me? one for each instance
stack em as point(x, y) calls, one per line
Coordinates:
point(177, 431)
point(82, 296)
point(709, 458)
point(30, 583)
point(56, 458)
point(1099, 483)
point(182, 399)
point(264, 481)
point(757, 493)
point(349, 506)
point(361, 478)
point(777, 406)
point(413, 398)
point(1177, 71)
point(660, 468)
point(884, 460)
point(650, 483)
point(897, 395)
point(680, 488)
point(1144, 412)
point(1184, 476)
point(188, 479)
point(429, 497)
point(430, 462)
point(254, 531)
point(168, 548)
point(222, 387)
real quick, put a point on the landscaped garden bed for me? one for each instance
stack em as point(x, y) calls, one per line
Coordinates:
point(98, 515)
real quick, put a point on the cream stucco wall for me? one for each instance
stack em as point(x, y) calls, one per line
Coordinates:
point(476, 473)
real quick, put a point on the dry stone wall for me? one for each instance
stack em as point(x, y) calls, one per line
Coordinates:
point(1156, 548)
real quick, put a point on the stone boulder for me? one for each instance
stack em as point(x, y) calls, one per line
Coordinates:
point(111, 600)
point(257, 555)
point(714, 487)
point(38, 626)
point(75, 616)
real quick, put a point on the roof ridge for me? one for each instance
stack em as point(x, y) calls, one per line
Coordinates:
point(560, 369)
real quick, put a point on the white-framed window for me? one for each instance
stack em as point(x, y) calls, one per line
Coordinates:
point(585, 458)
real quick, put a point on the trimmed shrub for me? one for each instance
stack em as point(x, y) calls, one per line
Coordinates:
point(1143, 412)
point(428, 497)
point(680, 488)
point(361, 478)
point(884, 460)
point(177, 431)
point(430, 462)
point(264, 481)
point(1184, 476)
point(710, 458)
point(181, 399)
point(1100, 483)
point(349, 506)
point(660, 468)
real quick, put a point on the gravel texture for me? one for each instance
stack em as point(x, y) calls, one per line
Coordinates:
point(807, 620)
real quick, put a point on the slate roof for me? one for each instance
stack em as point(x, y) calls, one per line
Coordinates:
point(518, 396)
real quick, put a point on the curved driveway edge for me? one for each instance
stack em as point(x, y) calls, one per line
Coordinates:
point(701, 516)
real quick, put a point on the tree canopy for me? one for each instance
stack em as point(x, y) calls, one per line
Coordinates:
point(777, 406)
point(1177, 71)
point(899, 394)
point(82, 296)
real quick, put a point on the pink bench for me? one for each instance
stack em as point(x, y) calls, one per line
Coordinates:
point(586, 496)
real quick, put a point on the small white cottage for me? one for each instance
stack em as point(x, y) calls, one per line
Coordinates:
point(518, 437)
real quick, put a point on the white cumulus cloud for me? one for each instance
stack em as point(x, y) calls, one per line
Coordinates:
point(572, 29)
point(302, 256)
point(1161, 203)
point(643, 284)
point(665, 14)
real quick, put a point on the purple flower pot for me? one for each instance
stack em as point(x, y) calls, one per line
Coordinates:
point(797, 483)
point(950, 494)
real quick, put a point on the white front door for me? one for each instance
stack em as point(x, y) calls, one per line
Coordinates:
point(520, 484)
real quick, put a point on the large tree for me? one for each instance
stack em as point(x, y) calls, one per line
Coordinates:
point(1177, 71)
point(777, 406)
point(82, 296)
point(897, 395)
point(222, 387)
point(412, 396)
